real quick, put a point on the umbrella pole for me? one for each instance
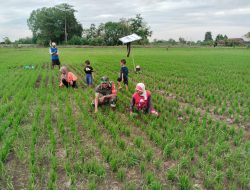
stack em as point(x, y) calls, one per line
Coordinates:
point(133, 62)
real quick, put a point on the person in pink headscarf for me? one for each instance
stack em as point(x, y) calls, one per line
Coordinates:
point(141, 100)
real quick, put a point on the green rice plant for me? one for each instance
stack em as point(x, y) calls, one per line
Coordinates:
point(132, 158)
point(142, 167)
point(230, 173)
point(155, 185)
point(92, 185)
point(171, 174)
point(216, 110)
point(230, 111)
point(138, 141)
point(177, 142)
point(127, 132)
point(246, 117)
point(210, 158)
point(191, 154)
point(121, 174)
point(219, 186)
point(53, 177)
point(114, 165)
point(193, 171)
point(201, 150)
point(201, 163)
point(237, 119)
point(232, 131)
point(219, 176)
point(190, 141)
point(188, 110)
point(219, 164)
point(185, 163)
point(244, 181)
point(130, 186)
point(158, 164)
point(78, 167)
point(232, 186)
point(149, 154)
point(237, 140)
point(149, 177)
point(121, 143)
point(209, 181)
point(168, 150)
point(107, 153)
point(93, 167)
point(184, 182)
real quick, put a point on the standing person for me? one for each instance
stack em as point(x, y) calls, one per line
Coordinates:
point(105, 93)
point(123, 75)
point(68, 79)
point(54, 55)
point(142, 101)
point(88, 70)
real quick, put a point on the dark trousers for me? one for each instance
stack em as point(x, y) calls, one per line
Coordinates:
point(67, 84)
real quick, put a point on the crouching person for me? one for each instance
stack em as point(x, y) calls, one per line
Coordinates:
point(68, 79)
point(105, 94)
point(142, 102)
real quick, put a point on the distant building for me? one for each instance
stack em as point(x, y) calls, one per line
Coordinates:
point(232, 42)
point(236, 41)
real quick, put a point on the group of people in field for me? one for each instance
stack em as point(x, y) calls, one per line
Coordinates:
point(105, 92)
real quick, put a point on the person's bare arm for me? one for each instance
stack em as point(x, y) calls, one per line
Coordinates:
point(96, 103)
point(131, 106)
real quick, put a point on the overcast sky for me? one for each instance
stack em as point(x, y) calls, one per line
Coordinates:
point(167, 18)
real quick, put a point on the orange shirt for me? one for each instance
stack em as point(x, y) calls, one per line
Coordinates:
point(70, 77)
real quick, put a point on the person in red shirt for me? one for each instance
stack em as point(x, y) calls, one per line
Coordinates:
point(68, 79)
point(105, 94)
point(141, 100)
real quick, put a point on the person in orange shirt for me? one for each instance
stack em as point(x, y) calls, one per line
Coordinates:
point(67, 78)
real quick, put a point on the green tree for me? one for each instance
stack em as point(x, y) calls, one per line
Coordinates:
point(219, 37)
point(208, 37)
point(172, 41)
point(247, 35)
point(91, 32)
point(49, 24)
point(6, 40)
point(113, 32)
point(182, 40)
point(26, 40)
point(140, 27)
point(109, 33)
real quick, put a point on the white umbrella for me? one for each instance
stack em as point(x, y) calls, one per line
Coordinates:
point(127, 40)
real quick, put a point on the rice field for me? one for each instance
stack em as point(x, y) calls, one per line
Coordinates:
point(50, 137)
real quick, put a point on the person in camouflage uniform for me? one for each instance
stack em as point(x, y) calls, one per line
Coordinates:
point(105, 94)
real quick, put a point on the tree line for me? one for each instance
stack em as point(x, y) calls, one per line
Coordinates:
point(220, 40)
point(59, 24)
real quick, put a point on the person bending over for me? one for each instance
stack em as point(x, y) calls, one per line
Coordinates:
point(105, 94)
point(68, 79)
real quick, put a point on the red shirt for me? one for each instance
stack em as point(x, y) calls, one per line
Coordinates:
point(140, 102)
